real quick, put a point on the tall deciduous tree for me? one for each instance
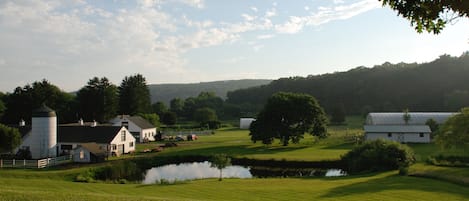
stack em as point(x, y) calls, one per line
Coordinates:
point(205, 115)
point(455, 131)
point(429, 15)
point(98, 100)
point(287, 116)
point(10, 138)
point(22, 101)
point(159, 108)
point(176, 105)
point(134, 95)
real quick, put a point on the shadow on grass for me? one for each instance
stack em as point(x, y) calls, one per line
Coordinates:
point(234, 150)
point(347, 146)
point(395, 182)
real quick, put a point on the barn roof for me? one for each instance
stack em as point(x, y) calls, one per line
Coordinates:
point(84, 134)
point(397, 129)
point(416, 118)
point(140, 122)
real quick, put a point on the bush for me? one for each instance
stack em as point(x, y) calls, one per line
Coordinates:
point(119, 170)
point(378, 155)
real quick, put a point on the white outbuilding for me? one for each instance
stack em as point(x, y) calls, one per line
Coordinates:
point(392, 126)
point(141, 129)
point(245, 123)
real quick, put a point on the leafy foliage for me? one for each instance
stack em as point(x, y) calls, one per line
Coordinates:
point(220, 161)
point(153, 118)
point(429, 15)
point(377, 89)
point(98, 100)
point(169, 118)
point(455, 131)
point(204, 115)
point(134, 96)
point(22, 101)
point(287, 116)
point(378, 155)
point(10, 138)
point(338, 114)
point(159, 108)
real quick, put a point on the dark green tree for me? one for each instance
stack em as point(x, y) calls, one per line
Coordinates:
point(169, 118)
point(205, 115)
point(338, 114)
point(287, 116)
point(455, 131)
point(176, 105)
point(159, 108)
point(429, 15)
point(134, 95)
point(432, 124)
point(23, 101)
point(10, 138)
point(220, 161)
point(98, 100)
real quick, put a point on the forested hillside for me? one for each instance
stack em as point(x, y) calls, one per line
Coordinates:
point(440, 85)
point(166, 92)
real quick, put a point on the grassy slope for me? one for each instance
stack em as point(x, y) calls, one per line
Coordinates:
point(57, 185)
point(385, 186)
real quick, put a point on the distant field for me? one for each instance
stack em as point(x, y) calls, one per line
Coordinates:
point(447, 184)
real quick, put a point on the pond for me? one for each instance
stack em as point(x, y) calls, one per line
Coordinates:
point(202, 170)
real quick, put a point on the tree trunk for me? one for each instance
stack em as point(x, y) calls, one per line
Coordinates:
point(219, 179)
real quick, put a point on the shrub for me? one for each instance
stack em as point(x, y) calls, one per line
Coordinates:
point(378, 155)
point(119, 170)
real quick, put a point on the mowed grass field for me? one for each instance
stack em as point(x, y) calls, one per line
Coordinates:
point(57, 184)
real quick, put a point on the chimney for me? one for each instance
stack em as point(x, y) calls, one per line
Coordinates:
point(94, 123)
point(22, 123)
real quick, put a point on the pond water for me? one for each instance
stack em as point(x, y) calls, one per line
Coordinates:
point(202, 170)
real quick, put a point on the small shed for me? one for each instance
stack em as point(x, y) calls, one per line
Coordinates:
point(245, 123)
point(88, 153)
point(399, 133)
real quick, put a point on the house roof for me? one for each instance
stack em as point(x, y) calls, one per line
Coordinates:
point(397, 118)
point(92, 148)
point(98, 134)
point(397, 129)
point(140, 122)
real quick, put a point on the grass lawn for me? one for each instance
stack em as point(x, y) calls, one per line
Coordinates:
point(441, 182)
point(384, 186)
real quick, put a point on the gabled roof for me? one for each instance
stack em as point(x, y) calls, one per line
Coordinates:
point(397, 129)
point(92, 148)
point(397, 118)
point(98, 134)
point(140, 122)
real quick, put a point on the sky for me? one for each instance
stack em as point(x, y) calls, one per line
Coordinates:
point(191, 41)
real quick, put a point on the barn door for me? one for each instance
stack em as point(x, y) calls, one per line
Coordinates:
point(120, 149)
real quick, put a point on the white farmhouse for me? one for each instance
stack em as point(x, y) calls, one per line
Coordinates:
point(141, 129)
point(393, 127)
point(114, 140)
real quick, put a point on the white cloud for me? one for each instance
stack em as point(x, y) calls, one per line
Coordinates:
point(306, 8)
point(194, 3)
point(248, 17)
point(254, 9)
point(325, 15)
point(271, 13)
point(267, 36)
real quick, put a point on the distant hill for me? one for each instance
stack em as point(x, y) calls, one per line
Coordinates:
point(440, 85)
point(166, 92)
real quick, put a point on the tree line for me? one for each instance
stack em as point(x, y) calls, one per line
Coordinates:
point(440, 85)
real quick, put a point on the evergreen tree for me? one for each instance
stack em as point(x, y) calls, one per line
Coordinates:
point(98, 100)
point(134, 96)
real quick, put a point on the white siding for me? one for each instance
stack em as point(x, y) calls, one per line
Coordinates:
point(245, 123)
point(132, 127)
point(81, 155)
point(43, 139)
point(129, 140)
point(400, 137)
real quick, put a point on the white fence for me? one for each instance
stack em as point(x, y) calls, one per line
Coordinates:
point(184, 133)
point(42, 163)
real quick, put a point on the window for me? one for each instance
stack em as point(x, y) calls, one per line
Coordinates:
point(421, 134)
point(82, 154)
point(389, 134)
point(114, 147)
point(122, 136)
point(131, 144)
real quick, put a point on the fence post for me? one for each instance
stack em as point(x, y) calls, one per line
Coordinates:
point(24, 163)
point(1, 163)
point(14, 163)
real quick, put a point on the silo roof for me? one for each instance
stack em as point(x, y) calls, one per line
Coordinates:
point(44, 111)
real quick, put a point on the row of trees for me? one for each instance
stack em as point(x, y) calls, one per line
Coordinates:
point(99, 100)
point(436, 86)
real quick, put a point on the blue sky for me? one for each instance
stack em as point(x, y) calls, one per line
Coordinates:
point(184, 41)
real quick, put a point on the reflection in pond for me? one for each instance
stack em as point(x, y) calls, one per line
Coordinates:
point(189, 171)
point(197, 170)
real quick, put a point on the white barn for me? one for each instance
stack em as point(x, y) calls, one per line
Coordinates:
point(392, 126)
point(141, 129)
point(399, 133)
point(245, 123)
